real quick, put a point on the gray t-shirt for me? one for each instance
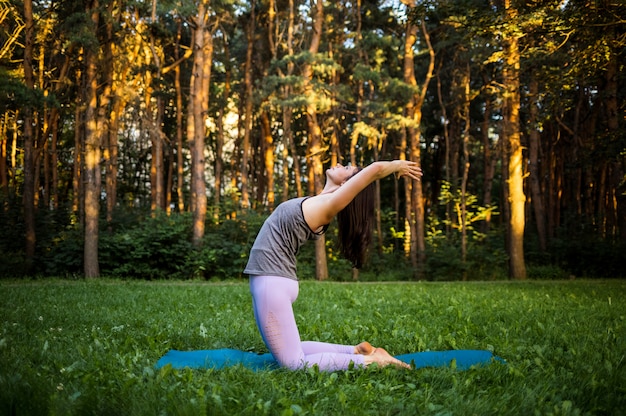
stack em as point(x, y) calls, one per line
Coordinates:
point(275, 248)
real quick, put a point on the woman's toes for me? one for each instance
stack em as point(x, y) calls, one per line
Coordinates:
point(364, 348)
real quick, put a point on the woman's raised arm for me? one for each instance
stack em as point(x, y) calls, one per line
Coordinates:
point(321, 209)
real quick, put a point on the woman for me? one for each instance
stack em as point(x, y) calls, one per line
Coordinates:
point(272, 263)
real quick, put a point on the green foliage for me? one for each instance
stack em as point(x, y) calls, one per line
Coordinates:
point(156, 248)
point(485, 258)
point(139, 246)
point(89, 347)
point(473, 211)
point(225, 247)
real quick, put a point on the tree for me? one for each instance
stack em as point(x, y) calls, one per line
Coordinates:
point(415, 203)
point(29, 142)
point(511, 133)
point(524, 90)
point(92, 145)
point(314, 132)
point(198, 111)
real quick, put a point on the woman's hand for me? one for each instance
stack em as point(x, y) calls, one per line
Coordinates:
point(408, 169)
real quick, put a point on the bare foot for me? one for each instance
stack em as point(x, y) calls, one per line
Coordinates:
point(381, 357)
point(364, 348)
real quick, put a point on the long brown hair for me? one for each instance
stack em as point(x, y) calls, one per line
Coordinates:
point(355, 226)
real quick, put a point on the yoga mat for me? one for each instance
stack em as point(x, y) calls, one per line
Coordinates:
point(221, 358)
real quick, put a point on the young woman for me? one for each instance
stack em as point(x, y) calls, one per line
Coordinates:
point(347, 194)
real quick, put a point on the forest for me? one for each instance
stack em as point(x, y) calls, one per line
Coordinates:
point(145, 139)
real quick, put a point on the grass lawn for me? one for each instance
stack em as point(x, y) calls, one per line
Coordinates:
point(89, 347)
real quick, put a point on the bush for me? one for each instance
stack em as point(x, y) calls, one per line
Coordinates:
point(225, 247)
point(64, 256)
point(139, 245)
point(156, 248)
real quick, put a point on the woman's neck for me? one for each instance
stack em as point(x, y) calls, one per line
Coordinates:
point(329, 188)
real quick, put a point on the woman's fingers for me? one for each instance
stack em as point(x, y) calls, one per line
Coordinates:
point(411, 169)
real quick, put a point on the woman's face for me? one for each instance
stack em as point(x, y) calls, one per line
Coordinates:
point(338, 174)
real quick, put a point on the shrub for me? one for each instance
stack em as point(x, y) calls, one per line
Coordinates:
point(155, 248)
point(225, 247)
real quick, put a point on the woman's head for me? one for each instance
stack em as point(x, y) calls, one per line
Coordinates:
point(338, 174)
point(355, 225)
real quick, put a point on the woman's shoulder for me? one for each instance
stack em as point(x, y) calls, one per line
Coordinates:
point(315, 211)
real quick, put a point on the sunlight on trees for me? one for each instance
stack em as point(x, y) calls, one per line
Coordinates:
point(115, 109)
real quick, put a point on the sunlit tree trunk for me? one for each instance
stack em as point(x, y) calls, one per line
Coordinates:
point(415, 215)
point(268, 157)
point(335, 150)
point(511, 103)
point(316, 171)
point(199, 101)
point(288, 139)
point(360, 87)
point(409, 77)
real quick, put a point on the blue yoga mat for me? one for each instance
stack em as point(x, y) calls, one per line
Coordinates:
point(221, 358)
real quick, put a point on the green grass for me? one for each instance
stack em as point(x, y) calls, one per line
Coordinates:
point(76, 347)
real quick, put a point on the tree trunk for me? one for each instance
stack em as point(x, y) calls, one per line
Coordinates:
point(4, 177)
point(77, 169)
point(219, 139)
point(92, 156)
point(517, 199)
point(415, 215)
point(180, 180)
point(618, 185)
point(111, 158)
point(29, 142)
point(489, 161)
point(315, 134)
point(534, 168)
point(409, 78)
point(199, 92)
point(53, 124)
point(466, 161)
point(289, 142)
point(110, 142)
point(268, 158)
point(155, 120)
point(248, 110)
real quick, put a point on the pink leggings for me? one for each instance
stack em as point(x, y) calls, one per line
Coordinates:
point(272, 298)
